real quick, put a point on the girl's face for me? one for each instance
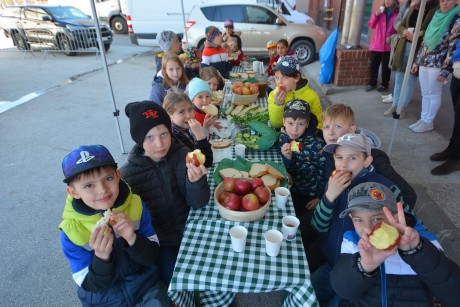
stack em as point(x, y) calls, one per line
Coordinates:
point(229, 30)
point(213, 83)
point(182, 113)
point(446, 5)
point(157, 142)
point(202, 99)
point(233, 46)
point(389, 3)
point(174, 71)
point(281, 49)
point(289, 83)
point(353, 161)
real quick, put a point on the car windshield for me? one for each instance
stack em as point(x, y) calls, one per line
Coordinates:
point(67, 12)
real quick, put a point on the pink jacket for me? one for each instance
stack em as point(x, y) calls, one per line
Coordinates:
point(382, 31)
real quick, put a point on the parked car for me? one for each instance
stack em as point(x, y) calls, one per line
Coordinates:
point(257, 24)
point(59, 27)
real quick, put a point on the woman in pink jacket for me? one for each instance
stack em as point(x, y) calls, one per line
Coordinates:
point(382, 22)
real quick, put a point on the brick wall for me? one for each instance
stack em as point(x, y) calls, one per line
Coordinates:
point(351, 66)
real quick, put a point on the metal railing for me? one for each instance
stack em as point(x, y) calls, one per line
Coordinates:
point(66, 40)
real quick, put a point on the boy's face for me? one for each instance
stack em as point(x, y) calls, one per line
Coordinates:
point(157, 142)
point(182, 114)
point(202, 99)
point(365, 220)
point(272, 51)
point(289, 83)
point(333, 128)
point(98, 190)
point(217, 40)
point(176, 46)
point(229, 30)
point(347, 159)
point(295, 128)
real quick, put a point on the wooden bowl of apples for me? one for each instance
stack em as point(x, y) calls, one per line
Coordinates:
point(242, 199)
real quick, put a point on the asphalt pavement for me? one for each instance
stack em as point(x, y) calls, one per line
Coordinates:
point(73, 107)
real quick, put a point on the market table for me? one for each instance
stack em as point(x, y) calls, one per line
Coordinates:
point(207, 269)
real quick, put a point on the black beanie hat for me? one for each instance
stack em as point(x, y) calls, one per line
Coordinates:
point(143, 116)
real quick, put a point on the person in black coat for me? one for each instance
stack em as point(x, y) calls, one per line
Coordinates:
point(156, 171)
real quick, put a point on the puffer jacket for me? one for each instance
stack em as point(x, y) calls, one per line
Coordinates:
point(382, 31)
point(159, 90)
point(216, 57)
point(302, 91)
point(165, 188)
point(411, 280)
point(382, 165)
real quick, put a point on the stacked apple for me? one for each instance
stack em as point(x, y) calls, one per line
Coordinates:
point(243, 195)
point(247, 88)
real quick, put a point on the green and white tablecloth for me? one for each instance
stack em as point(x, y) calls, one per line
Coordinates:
point(207, 269)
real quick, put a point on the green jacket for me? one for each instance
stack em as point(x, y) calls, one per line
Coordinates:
point(399, 63)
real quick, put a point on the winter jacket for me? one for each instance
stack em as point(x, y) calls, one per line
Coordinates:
point(132, 270)
point(402, 48)
point(159, 90)
point(302, 91)
point(218, 58)
point(411, 280)
point(383, 30)
point(306, 167)
point(382, 165)
point(326, 219)
point(165, 188)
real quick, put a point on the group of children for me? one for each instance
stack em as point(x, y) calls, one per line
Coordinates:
point(130, 258)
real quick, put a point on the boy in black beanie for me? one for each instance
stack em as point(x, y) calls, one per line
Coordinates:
point(156, 171)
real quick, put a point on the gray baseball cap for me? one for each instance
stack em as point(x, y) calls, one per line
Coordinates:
point(354, 141)
point(370, 196)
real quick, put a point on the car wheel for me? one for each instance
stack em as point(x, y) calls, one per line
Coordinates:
point(119, 25)
point(20, 42)
point(66, 45)
point(304, 51)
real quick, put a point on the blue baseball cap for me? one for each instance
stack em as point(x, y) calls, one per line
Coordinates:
point(85, 158)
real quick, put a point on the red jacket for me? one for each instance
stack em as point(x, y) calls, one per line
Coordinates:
point(382, 31)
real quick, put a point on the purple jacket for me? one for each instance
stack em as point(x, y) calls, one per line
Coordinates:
point(382, 31)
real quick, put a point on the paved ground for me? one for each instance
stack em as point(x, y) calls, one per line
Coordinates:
point(36, 135)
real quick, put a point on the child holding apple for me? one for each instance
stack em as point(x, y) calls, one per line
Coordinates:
point(157, 171)
point(200, 94)
point(302, 154)
point(373, 270)
point(184, 127)
point(290, 84)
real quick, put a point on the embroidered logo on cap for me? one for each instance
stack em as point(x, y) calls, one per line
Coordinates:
point(151, 113)
point(376, 194)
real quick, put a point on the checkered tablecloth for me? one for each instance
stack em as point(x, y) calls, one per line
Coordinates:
point(207, 269)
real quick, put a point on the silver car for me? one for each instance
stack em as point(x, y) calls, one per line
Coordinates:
point(256, 24)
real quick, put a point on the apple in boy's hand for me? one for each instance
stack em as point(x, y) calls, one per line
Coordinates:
point(296, 146)
point(250, 202)
point(384, 236)
point(196, 157)
point(335, 172)
point(281, 88)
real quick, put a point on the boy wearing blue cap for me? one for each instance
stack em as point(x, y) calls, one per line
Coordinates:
point(107, 235)
point(409, 273)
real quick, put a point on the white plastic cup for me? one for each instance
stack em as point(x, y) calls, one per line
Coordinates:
point(382, 8)
point(290, 226)
point(281, 195)
point(273, 239)
point(238, 234)
point(240, 150)
point(255, 66)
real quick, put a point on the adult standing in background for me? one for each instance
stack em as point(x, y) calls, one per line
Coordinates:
point(229, 32)
point(429, 60)
point(382, 22)
point(451, 154)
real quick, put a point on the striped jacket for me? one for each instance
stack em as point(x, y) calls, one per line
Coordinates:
point(218, 58)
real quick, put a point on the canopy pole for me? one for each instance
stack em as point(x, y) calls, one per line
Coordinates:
point(116, 112)
point(406, 73)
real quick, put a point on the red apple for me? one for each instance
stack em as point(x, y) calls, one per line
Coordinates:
point(255, 183)
point(229, 184)
point(384, 236)
point(196, 157)
point(250, 202)
point(242, 187)
point(222, 196)
point(296, 146)
point(263, 194)
point(281, 88)
point(231, 201)
point(337, 171)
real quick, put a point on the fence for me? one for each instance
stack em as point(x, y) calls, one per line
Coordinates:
point(67, 40)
